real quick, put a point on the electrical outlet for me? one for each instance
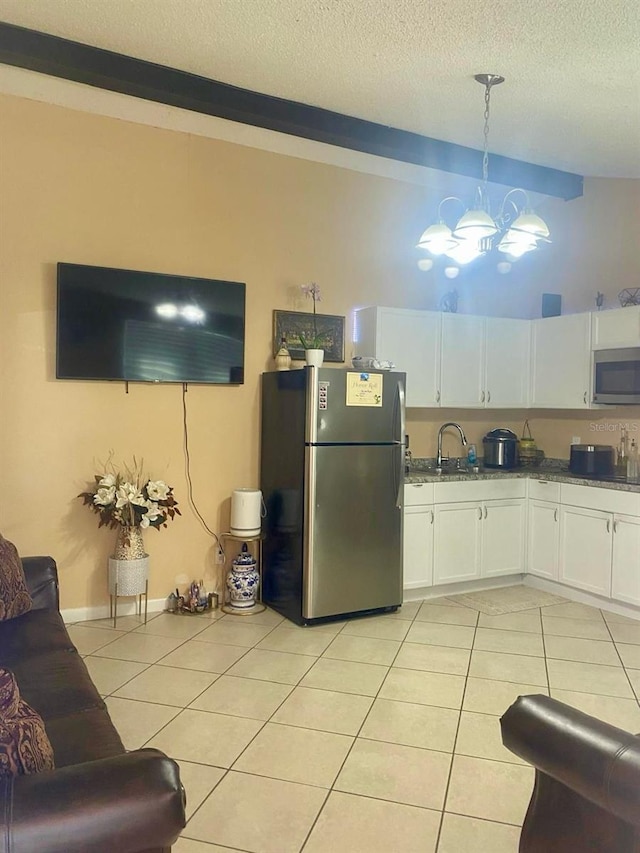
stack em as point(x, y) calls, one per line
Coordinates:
point(219, 556)
point(575, 439)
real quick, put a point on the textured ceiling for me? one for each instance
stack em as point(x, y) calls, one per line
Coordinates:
point(571, 99)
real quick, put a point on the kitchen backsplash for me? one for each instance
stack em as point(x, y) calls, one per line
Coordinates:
point(553, 430)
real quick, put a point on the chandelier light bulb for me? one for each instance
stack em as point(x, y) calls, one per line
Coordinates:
point(504, 267)
point(474, 225)
point(465, 252)
point(437, 239)
point(451, 272)
point(530, 223)
point(425, 264)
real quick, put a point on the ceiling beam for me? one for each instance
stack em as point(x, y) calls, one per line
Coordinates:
point(116, 72)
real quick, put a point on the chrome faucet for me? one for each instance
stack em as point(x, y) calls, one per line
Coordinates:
point(463, 438)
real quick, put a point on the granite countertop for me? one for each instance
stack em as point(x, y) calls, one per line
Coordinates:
point(555, 470)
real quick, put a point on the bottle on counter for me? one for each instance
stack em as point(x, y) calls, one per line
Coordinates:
point(633, 463)
point(472, 457)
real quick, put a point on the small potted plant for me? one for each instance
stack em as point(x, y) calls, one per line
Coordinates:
point(313, 346)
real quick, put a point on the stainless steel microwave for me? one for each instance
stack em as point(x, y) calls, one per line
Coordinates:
point(616, 376)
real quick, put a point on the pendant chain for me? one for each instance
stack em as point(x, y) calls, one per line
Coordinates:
point(485, 156)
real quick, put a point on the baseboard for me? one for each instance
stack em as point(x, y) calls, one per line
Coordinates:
point(581, 597)
point(426, 593)
point(101, 611)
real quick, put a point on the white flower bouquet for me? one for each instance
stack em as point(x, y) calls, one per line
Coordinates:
point(130, 499)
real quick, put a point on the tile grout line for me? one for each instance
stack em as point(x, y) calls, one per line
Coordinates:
point(355, 739)
point(455, 739)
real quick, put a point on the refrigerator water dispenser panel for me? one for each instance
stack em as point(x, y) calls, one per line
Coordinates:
point(323, 394)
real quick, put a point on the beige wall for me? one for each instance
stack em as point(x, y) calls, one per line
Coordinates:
point(86, 189)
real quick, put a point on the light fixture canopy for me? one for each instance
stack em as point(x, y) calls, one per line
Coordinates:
point(515, 231)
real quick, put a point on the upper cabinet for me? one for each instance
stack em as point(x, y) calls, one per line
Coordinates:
point(411, 340)
point(507, 363)
point(453, 360)
point(485, 362)
point(561, 362)
point(617, 328)
point(462, 371)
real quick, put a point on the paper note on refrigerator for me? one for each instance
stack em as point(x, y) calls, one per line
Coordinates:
point(364, 389)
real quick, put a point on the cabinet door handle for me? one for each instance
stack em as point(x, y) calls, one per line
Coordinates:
point(479, 513)
point(555, 514)
point(485, 512)
point(488, 396)
point(482, 397)
point(437, 396)
point(608, 525)
point(432, 516)
point(585, 398)
point(615, 526)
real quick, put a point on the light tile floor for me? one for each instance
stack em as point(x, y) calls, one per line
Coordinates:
point(378, 734)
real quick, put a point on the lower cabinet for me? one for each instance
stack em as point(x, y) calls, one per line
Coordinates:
point(625, 566)
point(543, 539)
point(586, 548)
point(457, 542)
point(418, 546)
point(478, 540)
point(585, 537)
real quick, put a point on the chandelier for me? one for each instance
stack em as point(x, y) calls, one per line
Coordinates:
point(515, 231)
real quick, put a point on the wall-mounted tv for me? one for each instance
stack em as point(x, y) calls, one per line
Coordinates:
point(134, 326)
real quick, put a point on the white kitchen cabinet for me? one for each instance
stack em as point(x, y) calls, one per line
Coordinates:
point(411, 340)
point(462, 368)
point(617, 328)
point(543, 539)
point(418, 546)
point(561, 362)
point(479, 529)
point(502, 538)
point(456, 547)
point(418, 535)
point(586, 549)
point(625, 569)
point(507, 363)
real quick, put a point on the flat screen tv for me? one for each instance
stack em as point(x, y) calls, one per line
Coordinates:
point(148, 327)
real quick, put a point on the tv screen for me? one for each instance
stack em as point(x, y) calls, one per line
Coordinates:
point(148, 327)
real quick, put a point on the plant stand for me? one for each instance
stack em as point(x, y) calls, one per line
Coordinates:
point(126, 578)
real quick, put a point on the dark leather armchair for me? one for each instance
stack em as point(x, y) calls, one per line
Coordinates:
point(586, 796)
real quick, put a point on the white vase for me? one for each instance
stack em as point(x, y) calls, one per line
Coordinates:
point(314, 357)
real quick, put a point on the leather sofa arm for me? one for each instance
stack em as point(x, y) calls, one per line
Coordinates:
point(129, 803)
point(42, 580)
point(595, 760)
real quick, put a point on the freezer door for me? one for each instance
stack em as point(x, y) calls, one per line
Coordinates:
point(337, 415)
point(353, 518)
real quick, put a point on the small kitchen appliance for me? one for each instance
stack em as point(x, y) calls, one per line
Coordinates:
point(246, 511)
point(500, 449)
point(616, 376)
point(596, 460)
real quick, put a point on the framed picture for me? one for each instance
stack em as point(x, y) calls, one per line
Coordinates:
point(291, 324)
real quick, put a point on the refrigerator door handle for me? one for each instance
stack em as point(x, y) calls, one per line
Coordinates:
point(398, 476)
point(399, 413)
point(309, 523)
point(311, 428)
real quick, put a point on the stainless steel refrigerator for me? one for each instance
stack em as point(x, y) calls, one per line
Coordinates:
point(332, 476)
